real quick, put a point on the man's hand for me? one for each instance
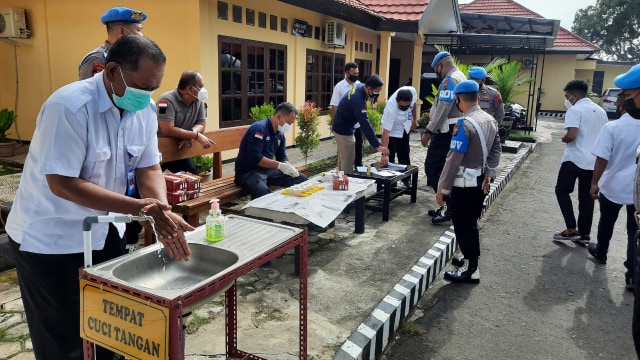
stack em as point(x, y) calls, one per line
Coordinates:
point(384, 160)
point(288, 169)
point(594, 191)
point(383, 150)
point(486, 185)
point(425, 138)
point(204, 141)
point(169, 228)
point(440, 199)
point(184, 144)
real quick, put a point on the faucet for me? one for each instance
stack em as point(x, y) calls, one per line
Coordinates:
point(90, 220)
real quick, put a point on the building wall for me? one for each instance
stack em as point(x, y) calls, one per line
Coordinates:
point(188, 34)
point(610, 72)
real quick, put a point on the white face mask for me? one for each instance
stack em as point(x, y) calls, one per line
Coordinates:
point(567, 104)
point(284, 127)
point(203, 94)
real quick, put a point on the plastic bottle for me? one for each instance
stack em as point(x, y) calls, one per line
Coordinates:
point(215, 223)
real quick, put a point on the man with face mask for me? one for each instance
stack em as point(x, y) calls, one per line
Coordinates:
point(469, 169)
point(262, 160)
point(351, 111)
point(120, 21)
point(91, 138)
point(489, 98)
point(351, 74)
point(612, 184)
point(182, 114)
point(437, 135)
point(583, 121)
point(629, 82)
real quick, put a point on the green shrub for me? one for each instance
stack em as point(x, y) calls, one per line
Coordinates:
point(308, 137)
point(261, 112)
point(203, 164)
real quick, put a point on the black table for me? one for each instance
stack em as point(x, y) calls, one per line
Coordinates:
point(386, 191)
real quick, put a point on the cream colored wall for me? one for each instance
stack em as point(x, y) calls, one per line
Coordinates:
point(610, 72)
point(404, 52)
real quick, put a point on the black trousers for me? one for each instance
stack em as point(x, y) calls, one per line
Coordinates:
point(608, 216)
point(436, 157)
point(466, 207)
point(400, 146)
point(635, 326)
point(51, 296)
point(567, 176)
point(358, 135)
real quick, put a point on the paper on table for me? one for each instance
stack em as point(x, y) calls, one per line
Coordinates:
point(363, 169)
point(397, 167)
point(388, 173)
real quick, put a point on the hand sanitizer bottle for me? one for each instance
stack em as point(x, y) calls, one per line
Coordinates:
point(215, 223)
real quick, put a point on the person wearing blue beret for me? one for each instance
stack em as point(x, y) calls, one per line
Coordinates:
point(437, 135)
point(489, 98)
point(629, 82)
point(120, 21)
point(469, 169)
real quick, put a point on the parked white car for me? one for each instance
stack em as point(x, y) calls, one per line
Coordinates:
point(608, 102)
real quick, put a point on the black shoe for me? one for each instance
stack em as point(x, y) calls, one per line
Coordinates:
point(457, 261)
point(436, 212)
point(471, 276)
point(583, 240)
point(593, 250)
point(629, 284)
point(441, 218)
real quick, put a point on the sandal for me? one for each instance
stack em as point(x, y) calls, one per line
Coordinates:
point(566, 235)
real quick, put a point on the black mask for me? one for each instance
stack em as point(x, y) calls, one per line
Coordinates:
point(352, 78)
point(458, 105)
point(630, 107)
point(403, 108)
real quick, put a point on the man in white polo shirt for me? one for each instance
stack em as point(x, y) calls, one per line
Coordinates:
point(351, 74)
point(583, 122)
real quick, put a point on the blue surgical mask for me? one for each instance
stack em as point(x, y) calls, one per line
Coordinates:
point(133, 99)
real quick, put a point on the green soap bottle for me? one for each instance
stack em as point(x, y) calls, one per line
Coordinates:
point(215, 223)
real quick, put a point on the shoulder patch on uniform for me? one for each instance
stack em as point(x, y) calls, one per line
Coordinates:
point(498, 98)
point(259, 135)
point(162, 106)
point(363, 110)
point(97, 67)
point(459, 139)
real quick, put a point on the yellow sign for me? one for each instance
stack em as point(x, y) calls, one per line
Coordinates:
point(123, 323)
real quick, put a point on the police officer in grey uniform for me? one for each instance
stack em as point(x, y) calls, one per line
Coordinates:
point(470, 167)
point(120, 21)
point(182, 115)
point(489, 98)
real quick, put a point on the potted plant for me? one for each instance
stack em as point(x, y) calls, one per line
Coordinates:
point(308, 137)
point(204, 165)
point(7, 119)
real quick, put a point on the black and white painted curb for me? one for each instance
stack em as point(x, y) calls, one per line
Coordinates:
point(373, 335)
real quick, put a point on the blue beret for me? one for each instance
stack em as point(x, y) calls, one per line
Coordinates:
point(477, 72)
point(439, 56)
point(628, 80)
point(465, 87)
point(123, 14)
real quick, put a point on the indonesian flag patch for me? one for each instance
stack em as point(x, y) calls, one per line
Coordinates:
point(162, 106)
point(363, 110)
point(259, 135)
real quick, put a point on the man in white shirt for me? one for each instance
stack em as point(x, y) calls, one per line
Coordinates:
point(583, 121)
point(398, 119)
point(94, 139)
point(615, 168)
point(351, 74)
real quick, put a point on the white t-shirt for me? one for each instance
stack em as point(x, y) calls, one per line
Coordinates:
point(589, 118)
point(396, 120)
point(617, 143)
point(341, 88)
point(79, 133)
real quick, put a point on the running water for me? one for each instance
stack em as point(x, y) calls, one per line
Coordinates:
point(155, 236)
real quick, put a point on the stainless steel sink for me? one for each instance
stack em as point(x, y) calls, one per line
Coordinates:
point(156, 270)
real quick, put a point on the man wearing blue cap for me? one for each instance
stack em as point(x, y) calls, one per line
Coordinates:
point(469, 169)
point(489, 98)
point(437, 135)
point(629, 82)
point(120, 21)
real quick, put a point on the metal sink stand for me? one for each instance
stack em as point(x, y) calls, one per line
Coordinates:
point(175, 305)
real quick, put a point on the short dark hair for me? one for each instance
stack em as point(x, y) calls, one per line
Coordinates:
point(188, 78)
point(579, 86)
point(128, 50)
point(286, 109)
point(350, 65)
point(469, 97)
point(374, 81)
point(404, 95)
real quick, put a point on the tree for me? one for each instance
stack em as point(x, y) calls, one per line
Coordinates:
point(507, 79)
point(308, 137)
point(613, 25)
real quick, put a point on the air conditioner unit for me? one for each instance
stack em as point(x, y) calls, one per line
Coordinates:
point(334, 34)
point(528, 62)
point(13, 23)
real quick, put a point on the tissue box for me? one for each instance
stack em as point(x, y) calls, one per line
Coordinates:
point(175, 197)
point(341, 183)
point(192, 181)
point(174, 183)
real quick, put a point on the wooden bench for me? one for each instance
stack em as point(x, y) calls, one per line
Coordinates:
point(220, 187)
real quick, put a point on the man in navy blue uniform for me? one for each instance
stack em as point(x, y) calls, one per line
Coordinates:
point(351, 111)
point(262, 160)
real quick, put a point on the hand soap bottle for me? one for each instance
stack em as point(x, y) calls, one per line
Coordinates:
point(215, 223)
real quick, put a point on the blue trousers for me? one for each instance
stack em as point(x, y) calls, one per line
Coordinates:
point(257, 182)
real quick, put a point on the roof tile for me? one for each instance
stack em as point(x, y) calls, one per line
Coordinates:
point(408, 10)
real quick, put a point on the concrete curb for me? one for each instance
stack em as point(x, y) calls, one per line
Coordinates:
point(371, 337)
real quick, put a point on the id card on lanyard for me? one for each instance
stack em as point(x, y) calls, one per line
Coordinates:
point(131, 176)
